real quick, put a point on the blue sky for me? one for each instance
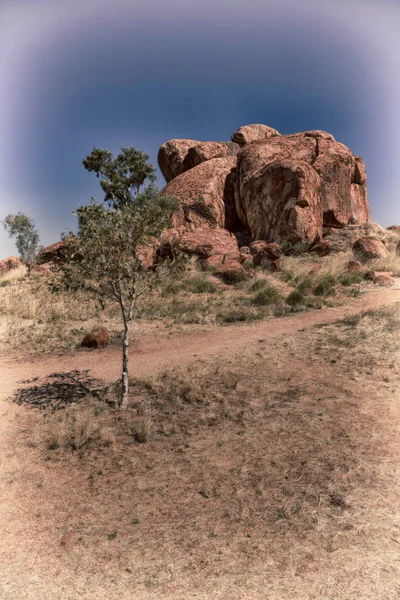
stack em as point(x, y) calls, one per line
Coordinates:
point(127, 72)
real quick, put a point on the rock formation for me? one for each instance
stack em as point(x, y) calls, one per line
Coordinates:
point(265, 185)
point(9, 264)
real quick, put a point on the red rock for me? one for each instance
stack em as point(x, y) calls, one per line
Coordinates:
point(323, 248)
point(368, 248)
point(373, 275)
point(394, 228)
point(54, 253)
point(9, 264)
point(384, 279)
point(252, 133)
point(201, 242)
point(343, 185)
point(214, 261)
point(205, 195)
point(244, 250)
point(281, 200)
point(171, 157)
point(269, 265)
point(266, 253)
point(230, 272)
point(398, 249)
point(354, 266)
point(42, 270)
point(316, 134)
point(257, 246)
point(206, 151)
point(98, 338)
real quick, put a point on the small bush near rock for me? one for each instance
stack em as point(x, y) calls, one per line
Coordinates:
point(267, 296)
point(325, 286)
point(197, 285)
point(295, 298)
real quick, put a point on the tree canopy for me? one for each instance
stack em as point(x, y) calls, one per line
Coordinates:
point(23, 229)
point(123, 176)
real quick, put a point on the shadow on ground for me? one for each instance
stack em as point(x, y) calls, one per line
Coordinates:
point(57, 391)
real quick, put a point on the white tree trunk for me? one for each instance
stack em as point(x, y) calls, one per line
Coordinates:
point(125, 365)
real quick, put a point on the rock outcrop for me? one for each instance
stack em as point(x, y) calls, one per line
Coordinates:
point(9, 264)
point(54, 253)
point(253, 133)
point(205, 195)
point(266, 186)
point(206, 151)
point(281, 202)
point(368, 248)
point(171, 157)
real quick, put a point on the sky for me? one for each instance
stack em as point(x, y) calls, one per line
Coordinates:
point(113, 73)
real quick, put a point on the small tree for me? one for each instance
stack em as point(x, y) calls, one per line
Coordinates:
point(108, 245)
point(23, 229)
point(122, 177)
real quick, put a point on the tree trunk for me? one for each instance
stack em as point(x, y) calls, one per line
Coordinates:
point(125, 375)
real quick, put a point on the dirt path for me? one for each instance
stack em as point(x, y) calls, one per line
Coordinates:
point(27, 572)
point(152, 353)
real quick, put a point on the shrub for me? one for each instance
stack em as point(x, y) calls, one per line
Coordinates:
point(233, 277)
point(267, 296)
point(197, 285)
point(349, 279)
point(259, 284)
point(304, 285)
point(295, 298)
point(5, 282)
point(325, 286)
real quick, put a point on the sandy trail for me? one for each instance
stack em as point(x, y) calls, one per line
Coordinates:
point(24, 574)
point(156, 352)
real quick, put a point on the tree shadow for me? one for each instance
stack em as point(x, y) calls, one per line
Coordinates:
point(57, 391)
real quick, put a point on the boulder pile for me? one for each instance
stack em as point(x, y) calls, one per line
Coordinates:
point(264, 186)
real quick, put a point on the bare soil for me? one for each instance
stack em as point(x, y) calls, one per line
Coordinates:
point(281, 483)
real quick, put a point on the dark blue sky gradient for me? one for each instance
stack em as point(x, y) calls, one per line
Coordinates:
point(140, 77)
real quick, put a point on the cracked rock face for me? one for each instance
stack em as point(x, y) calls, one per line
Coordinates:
point(171, 157)
point(205, 194)
point(282, 202)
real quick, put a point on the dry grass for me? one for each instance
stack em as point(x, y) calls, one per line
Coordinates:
point(236, 475)
point(34, 318)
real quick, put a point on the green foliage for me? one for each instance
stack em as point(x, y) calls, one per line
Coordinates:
point(295, 249)
point(23, 229)
point(259, 284)
point(198, 285)
point(325, 286)
point(267, 296)
point(5, 283)
point(295, 298)
point(122, 177)
point(104, 257)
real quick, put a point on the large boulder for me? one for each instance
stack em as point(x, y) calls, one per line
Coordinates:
point(344, 185)
point(203, 243)
point(368, 248)
point(205, 195)
point(171, 157)
point(9, 264)
point(253, 133)
point(206, 151)
point(255, 157)
point(281, 201)
point(55, 253)
point(344, 195)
